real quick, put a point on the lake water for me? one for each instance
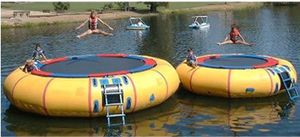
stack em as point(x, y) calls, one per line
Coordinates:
point(276, 32)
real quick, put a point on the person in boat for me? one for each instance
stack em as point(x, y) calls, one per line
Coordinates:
point(140, 23)
point(191, 58)
point(196, 22)
point(38, 53)
point(29, 66)
point(93, 21)
point(234, 37)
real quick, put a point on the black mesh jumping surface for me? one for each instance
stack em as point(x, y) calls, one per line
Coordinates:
point(93, 64)
point(235, 61)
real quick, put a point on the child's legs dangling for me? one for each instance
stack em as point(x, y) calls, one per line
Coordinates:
point(85, 33)
point(98, 31)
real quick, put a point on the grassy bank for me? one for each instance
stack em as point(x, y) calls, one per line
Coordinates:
point(173, 8)
point(86, 6)
point(211, 7)
point(74, 6)
point(40, 6)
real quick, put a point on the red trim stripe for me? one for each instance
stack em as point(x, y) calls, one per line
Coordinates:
point(44, 96)
point(90, 97)
point(51, 61)
point(167, 93)
point(203, 59)
point(270, 62)
point(41, 73)
point(192, 78)
point(150, 62)
point(135, 93)
point(271, 90)
point(13, 90)
point(228, 84)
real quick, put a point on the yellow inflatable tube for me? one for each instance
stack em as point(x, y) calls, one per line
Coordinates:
point(147, 82)
point(236, 75)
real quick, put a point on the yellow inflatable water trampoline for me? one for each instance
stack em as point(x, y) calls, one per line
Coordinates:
point(239, 76)
point(92, 85)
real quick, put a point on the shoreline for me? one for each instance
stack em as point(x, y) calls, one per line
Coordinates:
point(40, 18)
point(220, 7)
point(64, 18)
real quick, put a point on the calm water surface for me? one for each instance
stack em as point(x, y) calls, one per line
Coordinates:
point(276, 32)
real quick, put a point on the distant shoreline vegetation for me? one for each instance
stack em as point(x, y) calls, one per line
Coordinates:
point(122, 6)
point(139, 8)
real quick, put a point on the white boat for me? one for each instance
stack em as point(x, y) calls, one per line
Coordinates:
point(200, 22)
point(137, 24)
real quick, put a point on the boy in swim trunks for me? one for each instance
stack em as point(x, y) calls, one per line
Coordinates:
point(191, 58)
point(38, 54)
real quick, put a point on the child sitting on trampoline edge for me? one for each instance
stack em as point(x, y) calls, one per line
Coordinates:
point(29, 66)
point(93, 21)
point(38, 53)
point(191, 58)
point(234, 37)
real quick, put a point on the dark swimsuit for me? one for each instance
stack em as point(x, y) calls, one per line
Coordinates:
point(233, 37)
point(191, 58)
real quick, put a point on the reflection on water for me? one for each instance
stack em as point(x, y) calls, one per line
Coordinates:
point(148, 122)
point(185, 114)
point(274, 30)
point(237, 115)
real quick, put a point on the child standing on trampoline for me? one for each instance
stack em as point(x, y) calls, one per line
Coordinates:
point(191, 58)
point(93, 21)
point(38, 53)
point(234, 37)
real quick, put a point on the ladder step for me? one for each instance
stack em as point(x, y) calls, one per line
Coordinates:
point(293, 87)
point(116, 115)
point(114, 104)
point(293, 93)
point(116, 124)
point(113, 93)
point(285, 80)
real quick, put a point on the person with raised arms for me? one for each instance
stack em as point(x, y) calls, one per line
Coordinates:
point(234, 37)
point(93, 22)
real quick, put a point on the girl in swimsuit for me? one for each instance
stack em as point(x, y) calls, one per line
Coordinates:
point(233, 37)
point(93, 26)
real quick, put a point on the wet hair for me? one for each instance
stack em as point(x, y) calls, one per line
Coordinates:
point(37, 45)
point(189, 50)
point(234, 26)
point(29, 62)
point(92, 12)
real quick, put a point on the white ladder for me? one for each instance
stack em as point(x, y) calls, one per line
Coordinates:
point(289, 86)
point(113, 90)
